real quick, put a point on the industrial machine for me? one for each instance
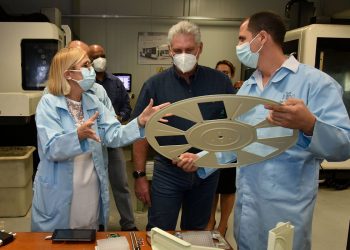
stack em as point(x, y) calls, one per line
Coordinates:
point(27, 49)
point(326, 47)
point(26, 53)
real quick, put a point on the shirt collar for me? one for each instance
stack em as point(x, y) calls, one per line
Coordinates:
point(93, 89)
point(61, 102)
point(109, 75)
point(289, 65)
point(88, 100)
point(195, 73)
point(106, 76)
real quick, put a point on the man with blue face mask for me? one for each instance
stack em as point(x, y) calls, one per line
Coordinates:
point(174, 188)
point(246, 55)
point(284, 188)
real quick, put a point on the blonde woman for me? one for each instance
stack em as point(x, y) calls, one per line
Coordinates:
point(71, 184)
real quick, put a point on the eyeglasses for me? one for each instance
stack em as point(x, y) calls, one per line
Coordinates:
point(87, 65)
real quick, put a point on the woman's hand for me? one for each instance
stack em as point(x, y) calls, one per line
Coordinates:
point(149, 111)
point(186, 162)
point(85, 131)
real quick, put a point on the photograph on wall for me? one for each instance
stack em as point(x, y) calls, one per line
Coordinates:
point(153, 48)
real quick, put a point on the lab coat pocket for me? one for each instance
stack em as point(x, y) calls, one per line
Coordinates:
point(46, 199)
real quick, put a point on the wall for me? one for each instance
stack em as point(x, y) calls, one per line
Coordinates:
point(119, 35)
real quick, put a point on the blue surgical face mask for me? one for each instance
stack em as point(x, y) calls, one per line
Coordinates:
point(89, 78)
point(246, 56)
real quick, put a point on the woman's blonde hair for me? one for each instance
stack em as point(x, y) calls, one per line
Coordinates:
point(64, 59)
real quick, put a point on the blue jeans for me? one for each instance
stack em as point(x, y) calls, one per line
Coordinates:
point(173, 188)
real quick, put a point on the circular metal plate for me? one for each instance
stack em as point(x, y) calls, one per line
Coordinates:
point(227, 129)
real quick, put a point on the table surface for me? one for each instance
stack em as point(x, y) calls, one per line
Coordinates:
point(37, 241)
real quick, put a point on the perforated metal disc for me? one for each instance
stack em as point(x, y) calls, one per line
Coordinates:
point(227, 132)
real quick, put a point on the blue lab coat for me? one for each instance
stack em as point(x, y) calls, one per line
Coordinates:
point(58, 144)
point(284, 188)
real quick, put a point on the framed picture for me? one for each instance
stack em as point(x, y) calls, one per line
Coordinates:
point(153, 48)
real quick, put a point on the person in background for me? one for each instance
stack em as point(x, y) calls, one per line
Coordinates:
point(172, 187)
point(227, 68)
point(116, 161)
point(284, 188)
point(78, 44)
point(227, 181)
point(70, 186)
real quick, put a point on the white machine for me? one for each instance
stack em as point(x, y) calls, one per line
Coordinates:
point(311, 41)
point(27, 50)
point(281, 237)
point(326, 47)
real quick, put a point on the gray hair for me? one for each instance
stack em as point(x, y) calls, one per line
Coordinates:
point(185, 27)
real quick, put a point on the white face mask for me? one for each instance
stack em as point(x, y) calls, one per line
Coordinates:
point(185, 62)
point(100, 64)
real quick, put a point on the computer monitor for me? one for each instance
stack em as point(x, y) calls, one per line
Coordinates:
point(126, 79)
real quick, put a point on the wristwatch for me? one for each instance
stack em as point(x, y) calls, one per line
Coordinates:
point(138, 174)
